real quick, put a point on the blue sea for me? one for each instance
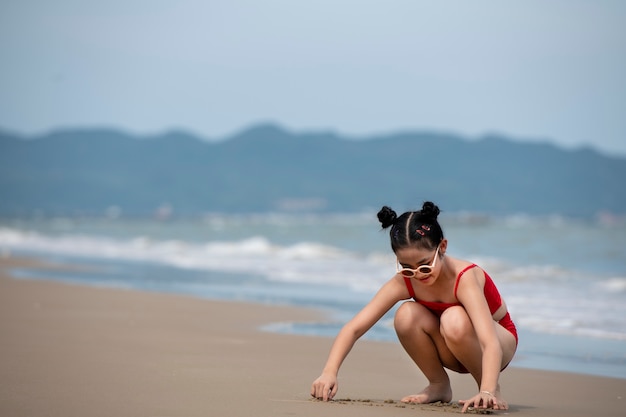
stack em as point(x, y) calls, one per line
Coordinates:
point(563, 279)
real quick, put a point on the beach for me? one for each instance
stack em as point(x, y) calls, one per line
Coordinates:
point(74, 350)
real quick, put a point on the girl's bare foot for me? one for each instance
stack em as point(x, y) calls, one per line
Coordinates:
point(431, 394)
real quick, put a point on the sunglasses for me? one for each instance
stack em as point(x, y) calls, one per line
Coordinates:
point(422, 269)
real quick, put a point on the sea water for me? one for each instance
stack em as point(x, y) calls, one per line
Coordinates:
point(564, 280)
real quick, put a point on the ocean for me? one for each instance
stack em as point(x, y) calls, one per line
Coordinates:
point(564, 280)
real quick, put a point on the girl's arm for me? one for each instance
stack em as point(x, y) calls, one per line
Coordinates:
point(325, 387)
point(471, 294)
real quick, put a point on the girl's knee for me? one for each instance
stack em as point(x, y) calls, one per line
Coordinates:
point(455, 324)
point(411, 316)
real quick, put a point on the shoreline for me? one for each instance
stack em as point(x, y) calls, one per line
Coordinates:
point(72, 350)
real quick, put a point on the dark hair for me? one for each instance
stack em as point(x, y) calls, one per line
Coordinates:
point(413, 228)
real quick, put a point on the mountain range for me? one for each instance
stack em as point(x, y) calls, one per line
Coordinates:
point(268, 168)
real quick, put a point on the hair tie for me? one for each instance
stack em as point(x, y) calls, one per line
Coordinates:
point(423, 228)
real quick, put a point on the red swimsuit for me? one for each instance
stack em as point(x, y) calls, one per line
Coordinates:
point(491, 294)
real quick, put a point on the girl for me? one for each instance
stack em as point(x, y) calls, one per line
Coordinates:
point(456, 320)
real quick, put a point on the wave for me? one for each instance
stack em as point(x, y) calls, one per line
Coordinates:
point(143, 248)
point(614, 285)
point(302, 262)
point(258, 253)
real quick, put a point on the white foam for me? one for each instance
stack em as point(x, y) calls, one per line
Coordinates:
point(301, 262)
point(613, 285)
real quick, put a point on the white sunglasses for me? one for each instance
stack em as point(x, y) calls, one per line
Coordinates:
point(422, 269)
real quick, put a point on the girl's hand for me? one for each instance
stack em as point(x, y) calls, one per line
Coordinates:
point(325, 387)
point(485, 399)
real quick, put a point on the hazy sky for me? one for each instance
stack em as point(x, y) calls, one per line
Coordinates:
point(529, 69)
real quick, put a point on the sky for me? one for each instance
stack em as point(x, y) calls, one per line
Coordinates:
point(532, 70)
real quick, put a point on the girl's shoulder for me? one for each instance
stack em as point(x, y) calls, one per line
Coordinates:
point(463, 268)
point(396, 288)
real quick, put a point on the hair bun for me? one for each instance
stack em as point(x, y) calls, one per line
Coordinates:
point(387, 217)
point(429, 211)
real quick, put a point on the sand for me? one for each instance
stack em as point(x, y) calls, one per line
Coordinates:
point(69, 350)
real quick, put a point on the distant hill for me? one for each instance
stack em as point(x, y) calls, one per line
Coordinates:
point(266, 168)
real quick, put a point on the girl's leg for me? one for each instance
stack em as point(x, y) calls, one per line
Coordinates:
point(461, 340)
point(418, 331)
